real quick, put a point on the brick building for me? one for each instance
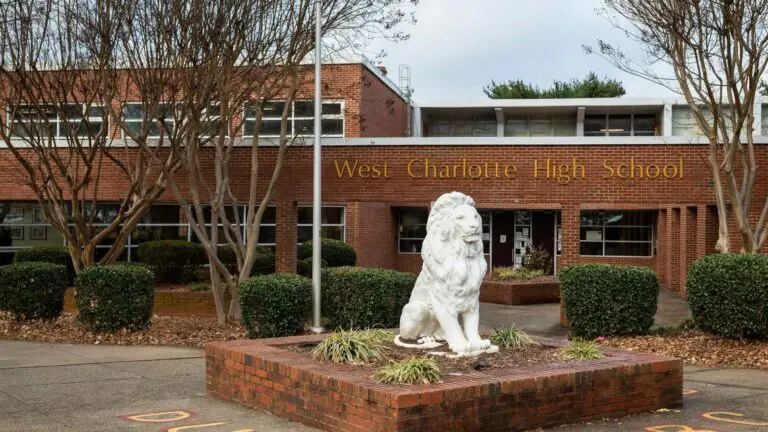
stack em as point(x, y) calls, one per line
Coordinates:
point(616, 180)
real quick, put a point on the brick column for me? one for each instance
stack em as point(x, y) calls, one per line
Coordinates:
point(662, 247)
point(570, 218)
point(285, 237)
point(701, 231)
point(688, 233)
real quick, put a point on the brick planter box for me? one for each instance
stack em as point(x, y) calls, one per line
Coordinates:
point(168, 303)
point(520, 292)
point(262, 375)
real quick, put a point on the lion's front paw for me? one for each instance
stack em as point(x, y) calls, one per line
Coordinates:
point(479, 344)
point(462, 347)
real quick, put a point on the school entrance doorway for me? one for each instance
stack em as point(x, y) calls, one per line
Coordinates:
point(513, 232)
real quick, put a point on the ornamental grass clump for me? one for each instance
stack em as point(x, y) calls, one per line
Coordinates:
point(415, 370)
point(351, 347)
point(511, 337)
point(580, 349)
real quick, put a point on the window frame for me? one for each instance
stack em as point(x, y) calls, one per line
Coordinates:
point(292, 118)
point(603, 241)
point(343, 223)
point(400, 232)
point(58, 121)
point(632, 131)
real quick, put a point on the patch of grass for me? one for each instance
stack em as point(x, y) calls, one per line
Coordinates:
point(515, 274)
point(199, 287)
point(378, 336)
point(511, 337)
point(580, 349)
point(351, 347)
point(415, 370)
point(684, 324)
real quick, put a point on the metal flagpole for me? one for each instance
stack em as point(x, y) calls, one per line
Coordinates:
point(316, 184)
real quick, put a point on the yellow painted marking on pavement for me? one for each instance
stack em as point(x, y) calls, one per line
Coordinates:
point(197, 426)
point(675, 428)
point(160, 417)
point(717, 415)
point(689, 391)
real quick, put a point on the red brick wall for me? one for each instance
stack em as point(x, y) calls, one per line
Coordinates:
point(371, 199)
point(371, 230)
point(382, 111)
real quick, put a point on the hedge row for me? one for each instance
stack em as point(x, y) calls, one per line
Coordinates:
point(33, 290)
point(604, 300)
point(352, 298)
point(334, 252)
point(728, 295)
point(115, 297)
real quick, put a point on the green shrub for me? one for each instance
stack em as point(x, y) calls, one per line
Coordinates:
point(357, 297)
point(33, 290)
point(511, 337)
point(350, 347)
point(336, 253)
point(115, 297)
point(537, 258)
point(263, 264)
point(604, 300)
point(304, 267)
point(275, 305)
point(50, 254)
point(416, 370)
point(513, 274)
point(172, 261)
point(579, 349)
point(728, 295)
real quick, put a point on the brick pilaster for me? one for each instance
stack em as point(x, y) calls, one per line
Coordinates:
point(285, 237)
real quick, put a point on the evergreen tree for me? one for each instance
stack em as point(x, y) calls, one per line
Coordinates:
point(590, 86)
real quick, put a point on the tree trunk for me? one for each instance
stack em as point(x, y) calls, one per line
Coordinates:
point(234, 314)
point(218, 296)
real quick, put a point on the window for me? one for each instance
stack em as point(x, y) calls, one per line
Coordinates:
point(301, 119)
point(412, 229)
point(620, 125)
point(22, 225)
point(68, 120)
point(764, 121)
point(133, 116)
point(609, 233)
point(462, 127)
point(533, 126)
point(332, 223)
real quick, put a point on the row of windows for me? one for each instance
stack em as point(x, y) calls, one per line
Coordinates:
point(683, 123)
point(602, 233)
point(23, 225)
point(81, 120)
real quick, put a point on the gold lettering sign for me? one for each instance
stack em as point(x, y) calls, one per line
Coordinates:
point(560, 171)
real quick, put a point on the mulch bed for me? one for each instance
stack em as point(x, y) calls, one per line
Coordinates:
point(186, 331)
point(506, 358)
point(700, 349)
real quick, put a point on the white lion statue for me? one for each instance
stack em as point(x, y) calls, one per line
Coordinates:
point(445, 302)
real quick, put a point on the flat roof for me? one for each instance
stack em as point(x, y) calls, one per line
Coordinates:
point(551, 103)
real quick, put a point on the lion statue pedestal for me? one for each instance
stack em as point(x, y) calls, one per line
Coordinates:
point(445, 302)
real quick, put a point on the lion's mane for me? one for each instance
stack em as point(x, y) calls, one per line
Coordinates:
point(443, 248)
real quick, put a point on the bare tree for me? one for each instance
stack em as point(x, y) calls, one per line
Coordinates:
point(59, 66)
point(718, 52)
point(205, 71)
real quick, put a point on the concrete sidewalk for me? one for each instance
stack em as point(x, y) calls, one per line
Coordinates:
point(50, 387)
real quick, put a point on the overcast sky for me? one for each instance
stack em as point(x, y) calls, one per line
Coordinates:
point(458, 46)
